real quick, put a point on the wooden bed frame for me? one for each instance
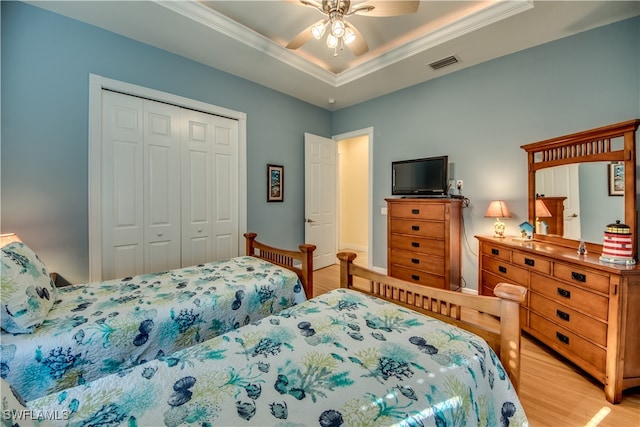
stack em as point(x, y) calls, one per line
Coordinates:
point(287, 259)
point(447, 306)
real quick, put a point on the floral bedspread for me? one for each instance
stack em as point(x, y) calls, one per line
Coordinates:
point(97, 329)
point(339, 359)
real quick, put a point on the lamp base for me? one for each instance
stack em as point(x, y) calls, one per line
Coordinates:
point(498, 229)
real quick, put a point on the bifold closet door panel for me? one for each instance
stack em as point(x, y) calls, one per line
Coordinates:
point(161, 187)
point(122, 186)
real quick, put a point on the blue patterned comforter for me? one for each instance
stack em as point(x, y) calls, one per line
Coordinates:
point(100, 328)
point(339, 359)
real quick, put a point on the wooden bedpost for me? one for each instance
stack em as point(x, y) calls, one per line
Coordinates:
point(511, 297)
point(307, 268)
point(250, 239)
point(346, 259)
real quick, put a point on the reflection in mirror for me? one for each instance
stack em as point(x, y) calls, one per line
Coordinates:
point(577, 197)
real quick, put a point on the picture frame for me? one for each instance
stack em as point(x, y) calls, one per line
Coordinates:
point(275, 183)
point(616, 179)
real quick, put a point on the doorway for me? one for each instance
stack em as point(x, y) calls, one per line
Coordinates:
point(354, 183)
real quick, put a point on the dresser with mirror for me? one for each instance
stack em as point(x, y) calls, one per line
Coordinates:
point(584, 308)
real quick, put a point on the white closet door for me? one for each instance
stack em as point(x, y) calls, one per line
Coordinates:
point(161, 187)
point(225, 201)
point(122, 186)
point(197, 188)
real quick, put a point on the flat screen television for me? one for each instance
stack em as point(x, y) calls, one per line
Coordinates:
point(420, 177)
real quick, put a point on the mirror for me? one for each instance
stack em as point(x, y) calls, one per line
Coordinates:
point(577, 200)
point(581, 183)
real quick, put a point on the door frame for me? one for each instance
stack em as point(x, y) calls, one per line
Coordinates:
point(96, 84)
point(348, 135)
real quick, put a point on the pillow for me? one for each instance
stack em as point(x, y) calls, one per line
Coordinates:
point(27, 292)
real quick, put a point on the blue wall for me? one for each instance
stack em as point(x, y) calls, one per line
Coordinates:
point(478, 116)
point(46, 61)
point(481, 116)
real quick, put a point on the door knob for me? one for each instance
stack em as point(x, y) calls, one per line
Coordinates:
point(160, 234)
point(199, 230)
point(308, 220)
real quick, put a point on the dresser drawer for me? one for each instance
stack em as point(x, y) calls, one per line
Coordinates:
point(508, 271)
point(417, 261)
point(417, 244)
point(497, 252)
point(417, 210)
point(586, 278)
point(587, 327)
point(531, 262)
point(568, 343)
point(570, 296)
point(417, 276)
point(418, 228)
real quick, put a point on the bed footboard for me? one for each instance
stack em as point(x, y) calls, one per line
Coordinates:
point(287, 259)
point(447, 306)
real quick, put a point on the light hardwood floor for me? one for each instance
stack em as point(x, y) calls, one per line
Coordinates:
point(553, 392)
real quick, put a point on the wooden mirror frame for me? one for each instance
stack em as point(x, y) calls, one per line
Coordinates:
point(588, 146)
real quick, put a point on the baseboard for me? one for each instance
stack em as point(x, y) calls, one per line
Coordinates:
point(354, 247)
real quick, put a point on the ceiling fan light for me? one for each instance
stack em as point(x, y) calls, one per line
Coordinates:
point(332, 41)
point(349, 35)
point(337, 28)
point(318, 30)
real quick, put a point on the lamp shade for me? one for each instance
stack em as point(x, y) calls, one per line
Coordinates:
point(7, 238)
point(497, 209)
point(541, 209)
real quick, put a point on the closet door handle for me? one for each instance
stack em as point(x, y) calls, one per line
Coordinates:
point(579, 277)
point(415, 211)
point(562, 338)
point(561, 314)
point(415, 227)
point(530, 262)
point(160, 234)
point(564, 293)
point(415, 244)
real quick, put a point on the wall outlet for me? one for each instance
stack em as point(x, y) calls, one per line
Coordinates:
point(383, 211)
point(459, 185)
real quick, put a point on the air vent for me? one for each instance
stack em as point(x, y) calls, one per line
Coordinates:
point(445, 62)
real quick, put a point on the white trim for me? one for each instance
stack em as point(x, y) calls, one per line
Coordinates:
point(369, 133)
point(469, 291)
point(96, 84)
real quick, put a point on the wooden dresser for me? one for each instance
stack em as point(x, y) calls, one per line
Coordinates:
point(424, 241)
point(586, 310)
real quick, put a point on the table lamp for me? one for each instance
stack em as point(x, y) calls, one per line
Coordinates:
point(498, 209)
point(7, 238)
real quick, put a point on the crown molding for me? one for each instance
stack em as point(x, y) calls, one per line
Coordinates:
point(200, 13)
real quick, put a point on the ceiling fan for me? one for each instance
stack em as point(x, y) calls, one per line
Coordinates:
point(341, 32)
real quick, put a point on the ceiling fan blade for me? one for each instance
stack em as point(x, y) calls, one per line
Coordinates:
point(359, 45)
point(386, 8)
point(302, 37)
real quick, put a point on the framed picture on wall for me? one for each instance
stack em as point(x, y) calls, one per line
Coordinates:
point(616, 179)
point(275, 183)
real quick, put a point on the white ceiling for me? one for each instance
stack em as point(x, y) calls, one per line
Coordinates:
point(247, 38)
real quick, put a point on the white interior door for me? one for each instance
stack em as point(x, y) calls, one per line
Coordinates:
point(320, 198)
point(563, 181)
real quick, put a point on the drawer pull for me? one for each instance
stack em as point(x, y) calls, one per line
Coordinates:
point(495, 251)
point(564, 293)
point(562, 338)
point(561, 314)
point(415, 260)
point(415, 244)
point(415, 227)
point(415, 211)
point(415, 277)
point(530, 262)
point(502, 269)
point(579, 277)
